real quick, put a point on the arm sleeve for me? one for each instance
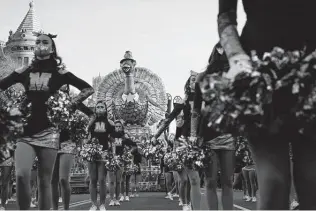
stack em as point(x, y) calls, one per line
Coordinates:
point(196, 113)
point(129, 142)
point(10, 80)
point(227, 14)
point(175, 112)
point(84, 109)
point(73, 80)
point(227, 22)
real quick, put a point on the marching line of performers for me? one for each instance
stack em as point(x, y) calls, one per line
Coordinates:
point(52, 147)
point(192, 126)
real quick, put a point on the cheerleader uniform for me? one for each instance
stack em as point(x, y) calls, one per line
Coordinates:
point(137, 159)
point(214, 139)
point(100, 130)
point(40, 82)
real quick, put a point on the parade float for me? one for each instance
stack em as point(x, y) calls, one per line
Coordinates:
point(137, 96)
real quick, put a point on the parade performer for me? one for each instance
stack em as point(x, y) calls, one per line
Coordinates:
point(186, 106)
point(238, 177)
point(41, 80)
point(64, 162)
point(118, 141)
point(222, 144)
point(99, 129)
point(269, 24)
point(7, 164)
point(184, 184)
point(136, 177)
point(249, 174)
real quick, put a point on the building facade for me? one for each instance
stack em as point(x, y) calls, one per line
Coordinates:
point(21, 43)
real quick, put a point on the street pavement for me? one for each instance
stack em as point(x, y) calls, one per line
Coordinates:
point(149, 201)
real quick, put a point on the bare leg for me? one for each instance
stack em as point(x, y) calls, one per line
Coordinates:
point(252, 178)
point(168, 177)
point(271, 156)
point(5, 178)
point(195, 188)
point(183, 176)
point(101, 180)
point(118, 179)
point(55, 181)
point(66, 161)
point(245, 174)
point(227, 163)
point(93, 174)
point(46, 162)
point(24, 157)
point(138, 178)
point(211, 183)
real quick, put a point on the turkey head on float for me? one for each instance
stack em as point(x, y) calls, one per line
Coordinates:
point(134, 94)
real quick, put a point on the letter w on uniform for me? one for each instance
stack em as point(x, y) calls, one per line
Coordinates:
point(39, 82)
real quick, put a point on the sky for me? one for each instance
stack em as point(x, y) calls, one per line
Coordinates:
point(169, 37)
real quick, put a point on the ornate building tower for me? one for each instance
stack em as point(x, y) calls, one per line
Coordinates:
point(20, 45)
point(96, 81)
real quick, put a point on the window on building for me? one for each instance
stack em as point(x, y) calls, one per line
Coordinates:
point(20, 61)
point(26, 61)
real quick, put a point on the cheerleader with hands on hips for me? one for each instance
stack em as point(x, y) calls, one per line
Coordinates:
point(41, 80)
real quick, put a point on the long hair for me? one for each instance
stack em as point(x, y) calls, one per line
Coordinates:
point(217, 63)
point(54, 58)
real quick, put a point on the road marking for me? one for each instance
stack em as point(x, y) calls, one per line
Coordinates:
point(235, 205)
point(240, 207)
point(78, 203)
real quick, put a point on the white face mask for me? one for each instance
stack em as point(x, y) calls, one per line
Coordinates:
point(43, 46)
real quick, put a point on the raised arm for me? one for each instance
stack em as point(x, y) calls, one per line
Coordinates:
point(175, 112)
point(196, 111)
point(239, 61)
point(84, 109)
point(227, 27)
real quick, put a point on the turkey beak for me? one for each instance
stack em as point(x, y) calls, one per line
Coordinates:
point(126, 68)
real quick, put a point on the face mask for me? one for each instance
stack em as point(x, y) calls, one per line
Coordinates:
point(44, 46)
point(100, 109)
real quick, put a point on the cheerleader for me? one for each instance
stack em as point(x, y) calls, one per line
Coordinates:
point(223, 145)
point(99, 129)
point(288, 25)
point(136, 177)
point(250, 177)
point(63, 164)
point(238, 176)
point(118, 141)
point(6, 165)
point(41, 80)
point(186, 106)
